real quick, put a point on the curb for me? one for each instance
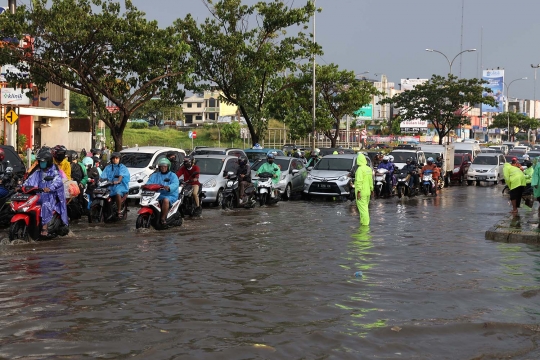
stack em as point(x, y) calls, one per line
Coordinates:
point(505, 232)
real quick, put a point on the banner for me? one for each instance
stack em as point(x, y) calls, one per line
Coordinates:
point(365, 112)
point(495, 79)
point(409, 84)
point(10, 96)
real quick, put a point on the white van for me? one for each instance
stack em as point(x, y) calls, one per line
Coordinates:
point(472, 149)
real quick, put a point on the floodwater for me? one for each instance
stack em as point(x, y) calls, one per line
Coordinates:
point(296, 281)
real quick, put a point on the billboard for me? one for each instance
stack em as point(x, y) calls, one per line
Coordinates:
point(10, 96)
point(365, 112)
point(409, 84)
point(414, 124)
point(495, 79)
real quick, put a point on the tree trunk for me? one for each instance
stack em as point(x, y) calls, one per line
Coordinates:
point(117, 131)
point(254, 135)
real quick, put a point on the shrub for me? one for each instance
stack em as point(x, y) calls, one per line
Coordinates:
point(139, 125)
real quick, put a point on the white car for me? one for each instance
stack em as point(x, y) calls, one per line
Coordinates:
point(142, 161)
point(486, 167)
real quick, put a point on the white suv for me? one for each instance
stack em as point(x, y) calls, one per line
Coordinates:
point(141, 163)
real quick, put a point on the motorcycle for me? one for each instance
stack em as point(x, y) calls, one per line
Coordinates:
point(231, 193)
point(150, 212)
point(10, 182)
point(103, 207)
point(265, 189)
point(402, 187)
point(188, 206)
point(380, 182)
point(428, 184)
point(26, 223)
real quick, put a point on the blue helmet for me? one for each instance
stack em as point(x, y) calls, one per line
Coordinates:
point(430, 159)
point(270, 155)
point(257, 146)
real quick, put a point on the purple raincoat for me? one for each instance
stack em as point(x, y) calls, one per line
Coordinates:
point(55, 200)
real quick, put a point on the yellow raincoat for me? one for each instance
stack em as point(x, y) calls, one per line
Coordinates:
point(363, 185)
point(65, 166)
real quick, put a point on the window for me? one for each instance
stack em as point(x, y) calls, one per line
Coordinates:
point(83, 125)
point(212, 102)
point(212, 116)
point(336, 164)
point(199, 105)
point(232, 165)
point(136, 160)
point(209, 166)
point(485, 160)
point(198, 117)
point(189, 105)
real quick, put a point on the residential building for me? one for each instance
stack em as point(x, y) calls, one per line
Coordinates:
point(206, 107)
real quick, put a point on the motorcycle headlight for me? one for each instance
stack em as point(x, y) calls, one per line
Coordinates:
point(456, 170)
point(210, 183)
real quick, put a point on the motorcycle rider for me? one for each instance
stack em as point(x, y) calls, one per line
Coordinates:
point(118, 174)
point(436, 173)
point(244, 177)
point(171, 156)
point(169, 181)
point(59, 153)
point(191, 172)
point(386, 164)
point(411, 169)
point(53, 198)
point(271, 168)
point(529, 170)
point(314, 158)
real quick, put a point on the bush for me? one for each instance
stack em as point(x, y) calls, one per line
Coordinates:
point(139, 125)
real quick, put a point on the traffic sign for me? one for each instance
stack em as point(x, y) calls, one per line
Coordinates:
point(190, 134)
point(194, 135)
point(11, 117)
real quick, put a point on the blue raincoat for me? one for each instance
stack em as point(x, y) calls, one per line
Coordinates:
point(173, 183)
point(111, 172)
point(55, 200)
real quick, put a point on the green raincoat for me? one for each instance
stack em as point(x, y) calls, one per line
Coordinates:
point(513, 176)
point(535, 183)
point(528, 174)
point(363, 184)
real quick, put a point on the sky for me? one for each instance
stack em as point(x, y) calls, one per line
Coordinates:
point(390, 36)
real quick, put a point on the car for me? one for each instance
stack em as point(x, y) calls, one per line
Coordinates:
point(486, 167)
point(330, 151)
point(402, 154)
point(500, 148)
point(510, 144)
point(256, 154)
point(521, 148)
point(485, 150)
point(536, 147)
point(218, 151)
point(293, 174)
point(288, 148)
point(379, 146)
point(213, 168)
point(330, 176)
point(12, 159)
point(462, 162)
point(510, 156)
point(142, 162)
point(534, 154)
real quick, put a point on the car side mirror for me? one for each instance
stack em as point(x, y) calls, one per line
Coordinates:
point(152, 167)
point(310, 168)
point(295, 171)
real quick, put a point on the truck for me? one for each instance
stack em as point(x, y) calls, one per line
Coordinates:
point(447, 154)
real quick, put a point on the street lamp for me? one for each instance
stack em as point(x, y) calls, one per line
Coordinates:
point(450, 62)
point(507, 100)
point(534, 104)
point(313, 89)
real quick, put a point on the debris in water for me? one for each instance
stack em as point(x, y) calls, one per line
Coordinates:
point(396, 329)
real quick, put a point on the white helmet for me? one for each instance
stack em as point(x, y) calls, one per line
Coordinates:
point(526, 157)
point(385, 158)
point(391, 158)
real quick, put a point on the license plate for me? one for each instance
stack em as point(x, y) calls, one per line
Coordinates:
point(20, 197)
point(325, 186)
point(481, 177)
point(100, 191)
point(148, 193)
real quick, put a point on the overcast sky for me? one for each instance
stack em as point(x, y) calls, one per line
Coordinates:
point(390, 36)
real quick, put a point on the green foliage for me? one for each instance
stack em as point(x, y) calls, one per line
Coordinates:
point(517, 121)
point(21, 143)
point(396, 128)
point(338, 94)
point(441, 101)
point(99, 49)
point(79, 105)
point(230, 131)
point(139, 125)
point(243, 49)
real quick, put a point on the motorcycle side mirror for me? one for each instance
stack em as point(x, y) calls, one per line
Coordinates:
point(295, 171)
point(230, 173)
point(140, 181)
point(469, 162)
point(48, 178)
point(166, 180)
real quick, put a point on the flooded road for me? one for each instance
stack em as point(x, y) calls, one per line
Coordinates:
point(299, 280)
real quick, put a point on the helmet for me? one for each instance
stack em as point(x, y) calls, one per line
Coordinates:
point(408, 160)
point(242, 160)
point(116, 154)
point(2, 155)
point(170, 155)
point(430, 160)
point(391, 158)
point(316, 152)
point(95, 152)
point(270, 155)
point(188, 161)
point(385, 158)
point(526, 157)
point(514, 159)
point(87, 161)
point(72, 155)
point(164, 162)
point(59, 152)
point(257, 146)
point(96, 160)
point(45, 155)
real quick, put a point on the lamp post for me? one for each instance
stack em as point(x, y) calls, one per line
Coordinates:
point(313, 88)
point(507, 102)
point(446, 57)
point(535, 67)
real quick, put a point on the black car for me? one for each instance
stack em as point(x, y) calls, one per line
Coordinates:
point(330, 151)
point(14, 160)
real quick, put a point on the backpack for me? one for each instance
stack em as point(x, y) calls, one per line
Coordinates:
point(76, 172)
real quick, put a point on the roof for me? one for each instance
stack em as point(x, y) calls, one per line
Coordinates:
point(342, 156)
point(261, 150)
point(151, 149)
point(215, 156)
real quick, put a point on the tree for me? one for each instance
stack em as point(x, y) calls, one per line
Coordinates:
point(231, 131)
point(242, 50)
point(79, 105)
point(90, 47)
point(441, 101)
point(338, 94)
point(518, 122)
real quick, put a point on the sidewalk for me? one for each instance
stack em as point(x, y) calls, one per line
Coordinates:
point(522, 228)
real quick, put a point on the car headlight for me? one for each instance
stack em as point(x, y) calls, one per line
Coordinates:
point(283, 176)
point(342, 178)
point(210, 183)
point(309, 177)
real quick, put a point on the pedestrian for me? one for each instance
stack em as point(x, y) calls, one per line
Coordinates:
point(535, 183)
point(363, 185)
point(515, 180)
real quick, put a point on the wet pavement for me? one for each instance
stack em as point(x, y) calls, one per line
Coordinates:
point(296, 281)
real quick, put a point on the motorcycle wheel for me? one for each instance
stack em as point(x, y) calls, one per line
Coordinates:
point(263, 199)
point(18, 231)
point(288, 192)
point(179, 221)
point(425, 189)
point(143, 221)
point(399, 192)
point(227, 203)
point(95, 215)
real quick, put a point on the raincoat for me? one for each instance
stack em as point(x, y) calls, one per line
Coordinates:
point(535, 183)
point(528, 174)
point(55, 200)
point(513, 176)
point(272, 169)
point(111, 172)
point(159, 178)
point(65, 166)
point(363, 184)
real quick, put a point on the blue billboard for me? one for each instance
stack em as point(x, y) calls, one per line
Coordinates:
point(495, 79)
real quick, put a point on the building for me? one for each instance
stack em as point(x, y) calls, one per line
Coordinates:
point(206, 108)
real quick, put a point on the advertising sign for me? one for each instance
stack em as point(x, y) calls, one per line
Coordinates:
point(495, 79)
point(365, 112)
point(10, 96)
point(413, 124)
point(409, 84)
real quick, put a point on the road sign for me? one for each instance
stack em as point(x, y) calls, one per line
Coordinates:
point(190, 134)
point(194, 135)
point(113, 109)
point(11, 117)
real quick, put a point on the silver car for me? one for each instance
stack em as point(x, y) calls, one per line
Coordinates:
point(330, 177)
point(211, 177)
point(293, 174)
point(486, 167)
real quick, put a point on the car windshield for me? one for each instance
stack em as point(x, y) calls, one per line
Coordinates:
point(209, 166)
point(254, 156)
point(533, 154)
point(136, 159)
point(428, 155)
point(282, 163)
point(486, 160)
point(458, 160)
point(463, 151)
point(402, 156)
point(208, 152)
point(336, 164)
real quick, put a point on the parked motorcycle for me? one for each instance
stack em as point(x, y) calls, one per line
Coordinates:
point(26, 223)
point(231, 193)
point(188, 206)
point(428, 184)
point(403, 189)
point(103, 207)
point(265, 189)
point(150, 212)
